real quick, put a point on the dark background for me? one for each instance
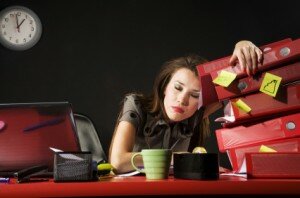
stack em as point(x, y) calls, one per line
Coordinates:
point(92, 52)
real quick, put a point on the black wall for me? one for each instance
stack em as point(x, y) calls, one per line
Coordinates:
point(92, 52)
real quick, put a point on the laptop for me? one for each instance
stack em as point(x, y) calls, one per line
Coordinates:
point(27, 130)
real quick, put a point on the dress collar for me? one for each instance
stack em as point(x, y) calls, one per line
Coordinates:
point(156, 125)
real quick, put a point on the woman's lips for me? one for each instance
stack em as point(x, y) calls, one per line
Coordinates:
point(177, 109)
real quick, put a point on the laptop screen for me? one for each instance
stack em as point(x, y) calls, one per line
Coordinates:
point(27, 130)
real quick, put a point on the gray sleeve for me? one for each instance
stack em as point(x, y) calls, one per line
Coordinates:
point(131, 111)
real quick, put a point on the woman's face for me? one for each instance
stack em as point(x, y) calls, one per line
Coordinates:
point(181, 95)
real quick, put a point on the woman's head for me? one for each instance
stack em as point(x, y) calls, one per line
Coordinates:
point(176, 88)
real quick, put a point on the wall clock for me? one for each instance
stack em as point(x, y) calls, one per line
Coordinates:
point(20, 28)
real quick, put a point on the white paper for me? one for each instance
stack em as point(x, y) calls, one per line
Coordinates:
point(66, 156)
point(243, 168)
point(228, 114)
point(137, 172)
point(128, 174)
point(244, 175)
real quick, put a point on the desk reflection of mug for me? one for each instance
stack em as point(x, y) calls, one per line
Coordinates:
point(156, 163)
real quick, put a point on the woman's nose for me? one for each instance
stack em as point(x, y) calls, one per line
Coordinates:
point(183, 99)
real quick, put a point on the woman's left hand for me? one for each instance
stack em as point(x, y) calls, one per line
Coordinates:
point(248, 55)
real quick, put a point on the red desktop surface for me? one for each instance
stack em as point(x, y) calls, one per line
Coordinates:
point(139, 186)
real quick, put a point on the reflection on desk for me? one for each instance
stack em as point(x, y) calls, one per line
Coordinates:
point(138, 185)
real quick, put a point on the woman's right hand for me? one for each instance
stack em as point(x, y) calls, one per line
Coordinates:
point(248, 55)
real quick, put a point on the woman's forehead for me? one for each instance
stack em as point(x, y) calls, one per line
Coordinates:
point(186, 77)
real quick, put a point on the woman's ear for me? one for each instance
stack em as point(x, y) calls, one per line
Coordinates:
point(211, 109)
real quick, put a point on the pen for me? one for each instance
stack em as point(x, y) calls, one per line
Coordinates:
point(4, 180)
point(44, 124)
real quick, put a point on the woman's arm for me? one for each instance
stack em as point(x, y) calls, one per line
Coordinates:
point(121, 148)
point(248, 55)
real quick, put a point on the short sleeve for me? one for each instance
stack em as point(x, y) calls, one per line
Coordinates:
point(132, 111)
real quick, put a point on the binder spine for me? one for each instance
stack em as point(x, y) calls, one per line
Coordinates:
point(237, 155)
point(288, 73)
point(274, 129)
point(263, 106)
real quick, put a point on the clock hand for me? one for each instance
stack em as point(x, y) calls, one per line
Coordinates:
point(17, 20)
point(20, 23)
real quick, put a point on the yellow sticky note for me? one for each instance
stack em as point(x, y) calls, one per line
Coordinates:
point(225, 78)
point(264, 148)
point(242, 105)
point(270, 84)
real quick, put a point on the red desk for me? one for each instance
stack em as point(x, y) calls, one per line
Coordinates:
point(138, 185)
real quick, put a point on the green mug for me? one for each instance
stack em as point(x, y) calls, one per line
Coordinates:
point(156, 163)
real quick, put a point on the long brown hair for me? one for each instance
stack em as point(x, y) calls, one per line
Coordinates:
point(153, 103)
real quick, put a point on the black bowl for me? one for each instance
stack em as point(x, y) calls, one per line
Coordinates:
point(201, 166)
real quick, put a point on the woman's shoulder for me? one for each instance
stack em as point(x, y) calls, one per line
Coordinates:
point(134, 98)
point(132, 110)
point(133, 101)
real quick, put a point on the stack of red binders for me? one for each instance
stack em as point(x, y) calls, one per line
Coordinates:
point(272, 121)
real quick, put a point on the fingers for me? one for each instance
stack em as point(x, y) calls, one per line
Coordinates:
point(248, 56)
point(241, 59)
point(254, 65)
point(259, 55)
point(233, 59)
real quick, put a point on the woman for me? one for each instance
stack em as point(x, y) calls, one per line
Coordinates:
point(170, 117)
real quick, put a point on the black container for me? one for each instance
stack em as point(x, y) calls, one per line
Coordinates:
point(73, 166)
point(200, 166)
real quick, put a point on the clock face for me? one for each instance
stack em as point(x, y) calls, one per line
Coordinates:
point(20, 28)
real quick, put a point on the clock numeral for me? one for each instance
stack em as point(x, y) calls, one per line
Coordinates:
point(19, 28)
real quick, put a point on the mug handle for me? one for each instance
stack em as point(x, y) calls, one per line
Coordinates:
point(132, 162)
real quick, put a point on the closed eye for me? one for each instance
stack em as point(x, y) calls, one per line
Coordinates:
point(195, 95)
point(178, 87)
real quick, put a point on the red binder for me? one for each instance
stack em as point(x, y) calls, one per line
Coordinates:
point(237, 155)
point(273, 165)
point(273, 57)
point(222, 63)
point(273, 129)
point(288, 73)
point(263, 105)
point(209, 94)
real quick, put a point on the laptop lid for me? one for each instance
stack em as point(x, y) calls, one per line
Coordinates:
point(27, 130)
